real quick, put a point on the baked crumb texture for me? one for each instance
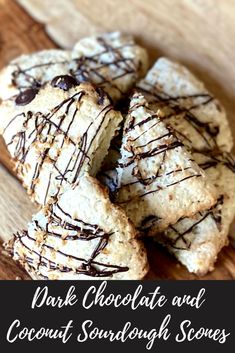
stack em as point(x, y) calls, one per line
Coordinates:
point(80, 236)
point(158, 181)
point(200, 122)
point(58, 136)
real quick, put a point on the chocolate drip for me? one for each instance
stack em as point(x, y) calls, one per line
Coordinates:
point(85, 231)
point(86, 146)
point(137, 153)
point(151, 153)
point(183, 237)
point(206, 130)
point(215, 158)
point(45, 132)
point(159, 188)
point(26, 96)
point(132, 125)
point(93, 68)
point(159, 149)
point(86, 68)
point(78, 230)
point(31, 81)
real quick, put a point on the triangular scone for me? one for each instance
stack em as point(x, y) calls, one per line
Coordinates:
point(57, 134)
point(112, 60)
point(81, 236)
point(158, 180)
point(197, 117)
point(200, 122)
point(197, 241)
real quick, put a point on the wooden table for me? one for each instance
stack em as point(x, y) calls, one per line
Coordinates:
point(196, 32)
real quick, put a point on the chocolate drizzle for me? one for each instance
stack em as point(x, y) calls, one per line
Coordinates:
point(46, 257)
point(30, 78)
point(104, 68)
point(183, 114)
point(214, 158)
point(52, 130)
point(180, 236)
point(160, 146)
point(182, 239)
point(184, 107)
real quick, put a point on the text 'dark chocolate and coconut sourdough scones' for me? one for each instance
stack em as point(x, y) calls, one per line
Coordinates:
point(80, 236)
point(158, 182)
point(57, 133)
point(112, 60)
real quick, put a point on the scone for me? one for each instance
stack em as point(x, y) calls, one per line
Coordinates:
point(112, 60)
point(158, 181)
point(197, 117)
point(81, 236)
point(57, 133)
point(197, 241)
point(200, 122)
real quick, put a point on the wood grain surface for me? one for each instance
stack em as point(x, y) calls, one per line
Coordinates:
point(195, 32)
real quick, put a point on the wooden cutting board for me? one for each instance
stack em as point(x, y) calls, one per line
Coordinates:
point(195, 32)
